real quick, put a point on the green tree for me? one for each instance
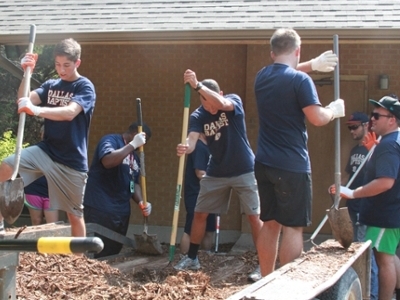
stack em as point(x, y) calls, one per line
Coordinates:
point(9, 86)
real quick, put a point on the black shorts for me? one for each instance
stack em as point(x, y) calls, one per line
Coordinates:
point(285, 197)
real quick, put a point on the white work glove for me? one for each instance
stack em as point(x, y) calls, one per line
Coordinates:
point(146, 210)
point(347, 193)
point(326, 62)
point(25, 105)
point(337, 107)
point(138, 140)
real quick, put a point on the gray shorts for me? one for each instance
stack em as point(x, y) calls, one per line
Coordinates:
point(214, 196)
point(66, 185)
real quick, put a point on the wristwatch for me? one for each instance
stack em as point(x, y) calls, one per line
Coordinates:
point(199, 86)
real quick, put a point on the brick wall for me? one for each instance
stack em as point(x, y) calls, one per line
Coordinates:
point(154, 73)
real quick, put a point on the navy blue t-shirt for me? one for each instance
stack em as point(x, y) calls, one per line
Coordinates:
point(108, 190)
point(198, 159)
point(281, 94)
point(226, 137)
point(357, 156)
point(38, 188)
point(383, 210)
point(66, 141)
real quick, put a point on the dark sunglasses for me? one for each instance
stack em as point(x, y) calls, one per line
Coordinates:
point(376, 116)
point(353, 127)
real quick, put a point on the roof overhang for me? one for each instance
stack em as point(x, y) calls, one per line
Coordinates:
point(246, 36)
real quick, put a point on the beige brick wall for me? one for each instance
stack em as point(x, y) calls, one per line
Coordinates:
point(122, 73)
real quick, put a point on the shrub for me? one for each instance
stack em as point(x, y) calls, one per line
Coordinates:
point(8, 144)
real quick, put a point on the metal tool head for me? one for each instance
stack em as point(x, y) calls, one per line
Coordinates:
point(12, 199)
point(342, 228)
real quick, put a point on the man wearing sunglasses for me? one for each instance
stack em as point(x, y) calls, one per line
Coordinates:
point(381, 208)
point(358, 127)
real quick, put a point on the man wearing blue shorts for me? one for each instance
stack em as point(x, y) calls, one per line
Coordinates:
point(381, 190)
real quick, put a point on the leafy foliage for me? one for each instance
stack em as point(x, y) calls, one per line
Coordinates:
point(7, 145)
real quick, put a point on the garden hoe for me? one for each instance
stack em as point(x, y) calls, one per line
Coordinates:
point(146, 243)
point(342, 228)
point(12, 190)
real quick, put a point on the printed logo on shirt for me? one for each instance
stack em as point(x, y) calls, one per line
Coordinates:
point(213, 127)
point(356, 160)
point(59, 98)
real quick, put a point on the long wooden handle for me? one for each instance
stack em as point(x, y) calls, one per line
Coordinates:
point(22, 115)
point(336, 82)
point(180, 174)
point(141, 152)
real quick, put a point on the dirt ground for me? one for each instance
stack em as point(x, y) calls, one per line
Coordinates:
point(135, 276)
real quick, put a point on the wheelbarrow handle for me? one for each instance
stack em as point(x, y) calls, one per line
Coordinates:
point(54, 245)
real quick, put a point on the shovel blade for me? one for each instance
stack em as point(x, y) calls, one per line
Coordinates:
point(342, 228)
point(11, 199)
point(148, 244)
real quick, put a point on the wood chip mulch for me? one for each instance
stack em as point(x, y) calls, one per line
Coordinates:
point(41, 276)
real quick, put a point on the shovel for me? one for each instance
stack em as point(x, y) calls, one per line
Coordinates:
point(339, 218)
point(179, 181)
point(317, 230)
point(146, 243)
point(12, 190)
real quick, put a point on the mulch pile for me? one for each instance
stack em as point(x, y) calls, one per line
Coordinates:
point(41, 276)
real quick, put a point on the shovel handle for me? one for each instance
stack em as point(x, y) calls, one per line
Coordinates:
point(336, 82)
point(26, 91)
point(217, 226)
point(180, 174)
point(141, 152)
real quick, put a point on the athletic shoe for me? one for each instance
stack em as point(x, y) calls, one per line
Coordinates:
point(187, 263)
point(255, 275)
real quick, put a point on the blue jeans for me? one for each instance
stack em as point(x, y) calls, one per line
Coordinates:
point(358, 228)
point(374, 278)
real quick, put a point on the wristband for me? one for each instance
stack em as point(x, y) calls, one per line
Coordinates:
point(198, 87)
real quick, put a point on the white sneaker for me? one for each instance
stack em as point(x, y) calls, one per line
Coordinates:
point(186, 263)
point(255, 275)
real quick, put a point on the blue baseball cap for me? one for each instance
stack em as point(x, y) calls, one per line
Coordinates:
point(389, 103)
point(358, 118)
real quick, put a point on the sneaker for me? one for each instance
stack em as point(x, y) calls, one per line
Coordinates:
point(187, 263)
point(255, 275)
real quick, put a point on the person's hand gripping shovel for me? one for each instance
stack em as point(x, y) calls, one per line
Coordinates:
point(12, 190)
